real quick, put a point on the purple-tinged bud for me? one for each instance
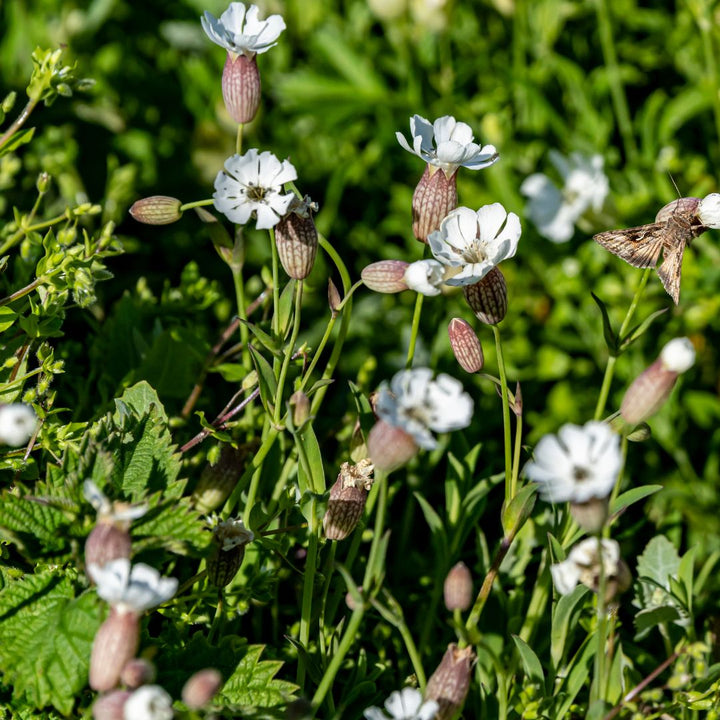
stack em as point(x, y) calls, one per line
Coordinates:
point(218, 481)
point(681, 206)
point(652, 387)
point(390, 447)
point(434, 197)
point(347, 499)
point(201, 688)
point(385, 276)
point(334, 299)
point(107, 541)
point(448, 686)
point(137, 672)
point(591, 515)
point(230, 538)
point(465, 345)
point(458, 588)
point(488, 298)
point(241, 87)
point(157, 210)
point(296, 238)
point(115, 643)
point(111, 706)
point(300, 404)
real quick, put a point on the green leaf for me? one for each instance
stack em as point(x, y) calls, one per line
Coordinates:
point(576, 677)
point(266, 379)
point(530, 661)
point(253, 684)
point(685, 575)
point(7, 318)
point(30, 522)
point(659, 561)
point(640, 329)
point(435, 523)
point(647, 619)
point(46, 636)
point(174, 525)
point(307, 443)
point(564, 609)
point(629, 497)
point(610, 338)
point(285, 308)
point(16, 140)
point(269, 342)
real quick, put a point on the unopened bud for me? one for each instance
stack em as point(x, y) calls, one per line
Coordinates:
point(218, 481)
point(347, 499)
point(591, 515)
point(681, 206)
point(296, 238)
point(241, 87)
point(652, 387)
point(448, 686)
point(300, 404)
point(201, 688)
point(43, 182)
point(465, 345)
point(111, 706)
point(115, 643)
point(157, 210)
point(390, 447)
point(334, 299)
point(385, 276)
point(488, 297)
point(107, 541)
point(458, 588)
point(229, 538)
point(434, 197)
point(137, 672)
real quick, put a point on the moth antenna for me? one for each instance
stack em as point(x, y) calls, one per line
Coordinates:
point(672, 180)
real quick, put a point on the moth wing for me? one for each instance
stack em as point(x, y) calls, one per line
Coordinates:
point(670, 270)
point(640, 246)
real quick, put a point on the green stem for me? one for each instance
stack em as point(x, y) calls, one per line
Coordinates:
point(288, 352)
point(24, 291)
point(239, 139)
point(19, 121)
point(705, 23)
point(506, 417)
point(275, 282)
point(617, 90)
point(599, 685)
point(414, 330)
point(538, 600)
point(610, 367)
point(218, 619)
point(516, 454)
point(307, 597)
point(239, 285)
point(327, 574)
point(196, 203)
point(382, 501)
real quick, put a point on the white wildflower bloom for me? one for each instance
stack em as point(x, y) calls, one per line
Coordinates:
point(407, 704)
point(131, 590)
point(417, 404)
point(149, 702)
point(116, 511)
point(241, 32)
point(577, 464)
point(678, 355)
point(709, 211)
point(473, 243)
point(17, 423)
point(251, 185)
point(425, 277)
point(555, 211)
point(583, 565)
point(447, 144)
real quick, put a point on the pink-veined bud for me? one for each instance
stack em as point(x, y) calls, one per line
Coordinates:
point(115, 643)
point(201, 688)
point(448, 686)
point(458, 587)
point(488, 297)
point(465, 345)
point(107, 541)
point(157, 210)
point(296, 238)
point(390, 447)
point(241, 87)
point(137, 672)
point(385, 276)
point(111, 706)
point(229, 539)
point(434, 197)
point(334, 298)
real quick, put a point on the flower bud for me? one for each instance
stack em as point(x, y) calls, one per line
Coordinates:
point(297, 243)
point(137, 672)
point(115, 643)
point(488, 298)
point(334, 299)
point(111, 706)
point(201, 688)
point(590, 515)
point(218, 481)
point(681, 206)
point(448, 686)
point(390, 447)
point(43, 182)
point(300, 404)
point(157, 210)
point(708, 211)
point(652, 387)
point(230, 538)
point(465, 345)
point(241, 87)
point(434, 197)
point(385, 276)
point(347, 499)
point(107, 541)
point(458, 588)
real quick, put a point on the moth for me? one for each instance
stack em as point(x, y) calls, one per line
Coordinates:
point(676, 226)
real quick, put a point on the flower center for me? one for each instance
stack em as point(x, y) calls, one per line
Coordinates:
point(474, 252)
point(256, 193)
point(580, 473)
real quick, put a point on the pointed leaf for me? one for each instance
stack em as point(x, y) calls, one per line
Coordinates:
point(629, 497)
point(609, 334)
point(564, 609)
point(530, 661)
point(640, 329)
point(266, 379)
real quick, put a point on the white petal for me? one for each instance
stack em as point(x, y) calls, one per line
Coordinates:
point(709, 211)
point(443, 129)
point(111, 579)
point(565, 576)
point(424, 277)
point(678, 355)
point(17, 423)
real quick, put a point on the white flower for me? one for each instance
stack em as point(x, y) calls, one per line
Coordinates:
point(447, 144)
point(251, 186)
point(17, 423)
point(133, 590)
point(417, 404)
point(678, 355)
point(118, 511)
point(583, 565)
point(425, 277)
point(404, 705)
point(149, 702)
point(709, 211)
point(577, 464)
point(473, 243)
point(555, 211)
point(241, 32)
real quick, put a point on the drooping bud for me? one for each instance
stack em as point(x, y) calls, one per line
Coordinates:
point(347, 499)
point(458, 588)
point(591, 515)
point(488, 298)
point(229, 538)
point(241, 87)
point(137, 672)
point(157, 210)
point(385, 276)
point(201, 688)
point(390, 447)
point(434, 197)
point(115, 643)
point(218, 481)
point(111, 706)
point(652, 387)
point(107, 541)
point(296, 238)
point(448, 686)
point(465, 345)
point(681, 206)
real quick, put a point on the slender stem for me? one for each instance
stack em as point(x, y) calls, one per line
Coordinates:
point(476, 612)
point(599, 685)
point(506, 417)
point(218, 619)
point(617, 91)
point(196, 203)
point(327, 574)
point(538, 601)
point(516, 454)
point(706, 25)
point(381, 481)
point(239, 139)
point(19, 121)
point(414, 330)
point(288, 351)
point(24, 291)
point(308, 592)
point(275, 282)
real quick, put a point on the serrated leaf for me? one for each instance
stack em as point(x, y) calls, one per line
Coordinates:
point(254, 684)
point(31, 522)
point(531, 662)
point(659, 561)
point(608, 333)
point(173, 525)
point(46, 635)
